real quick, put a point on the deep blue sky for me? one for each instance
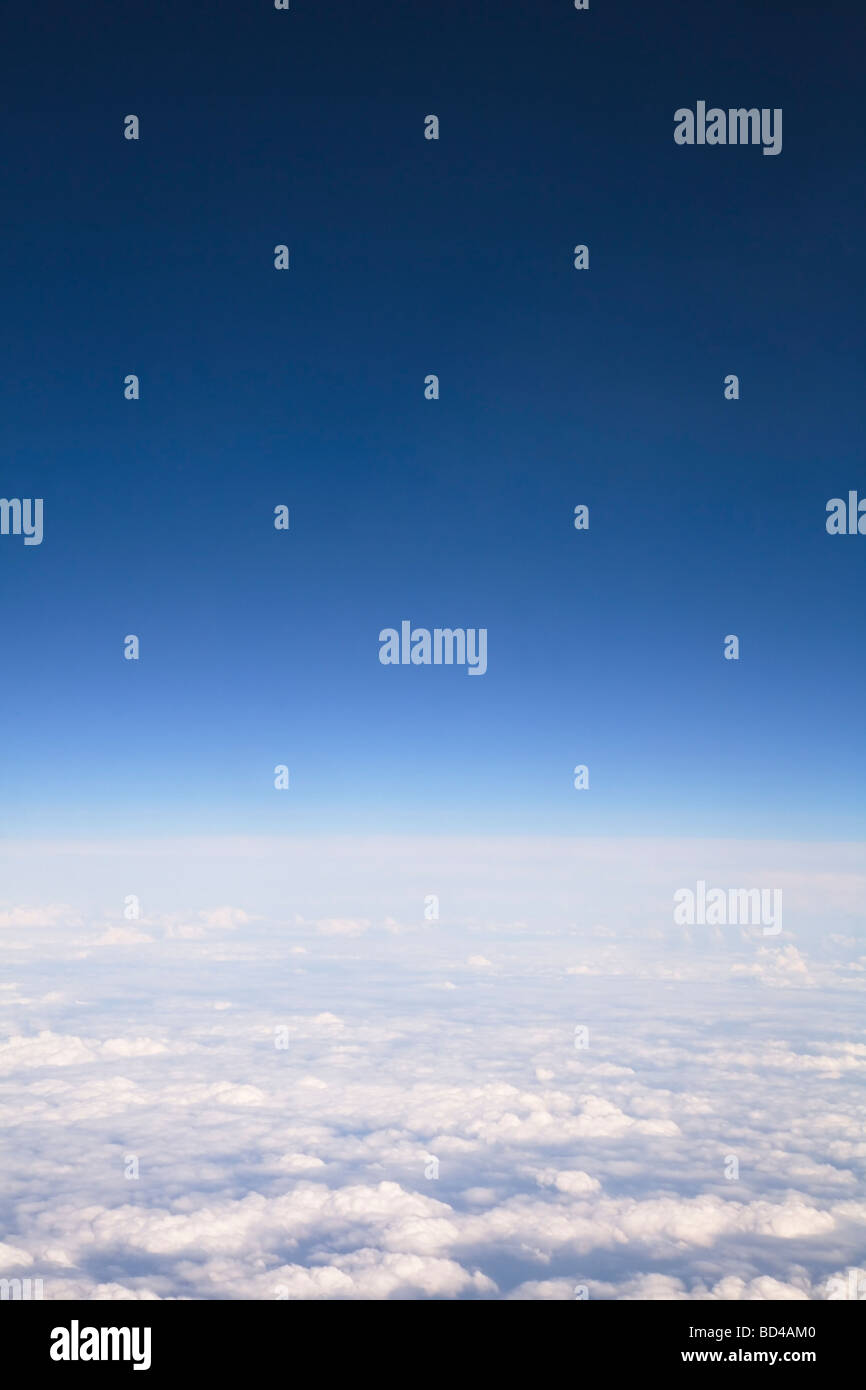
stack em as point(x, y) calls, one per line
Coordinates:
point(306, 387)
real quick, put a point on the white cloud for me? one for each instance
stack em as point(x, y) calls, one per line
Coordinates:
point(342, 926)
point(303, 1172)
point(52, 915)
point(122, 936)
point(782, 968)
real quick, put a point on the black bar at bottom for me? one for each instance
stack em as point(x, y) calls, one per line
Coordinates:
point(165, 1338)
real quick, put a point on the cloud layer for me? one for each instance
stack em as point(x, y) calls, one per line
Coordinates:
point(216, 1103)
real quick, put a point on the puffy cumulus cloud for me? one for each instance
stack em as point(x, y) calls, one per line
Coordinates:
point(122, 936)
point(352, 926)
point(48, 1050)
point(300, 1163)
point(548, 1289)
point(12, 1257)
point(131, 1047)
point(498, 1112)
point(58, 1286)
point(365, 1274)
point(381, 1240)
point(783, 967)
point(52, 915)
point(368, 1274)
point(662, 1225)
point(575, 1181)
point(342, 926)
point(776, 1054)
point(763, 1289)
point(286, 1085)
point(400, 1221)
point(216, 1093)
point(225, 918)
point(729, 1289)
point(847, 1284)
point(203, 923)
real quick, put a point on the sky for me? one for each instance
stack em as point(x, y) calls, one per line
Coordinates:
point(431, 908)
point(306, 388)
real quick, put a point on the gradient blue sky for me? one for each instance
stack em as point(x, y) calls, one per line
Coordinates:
point(306, 388)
